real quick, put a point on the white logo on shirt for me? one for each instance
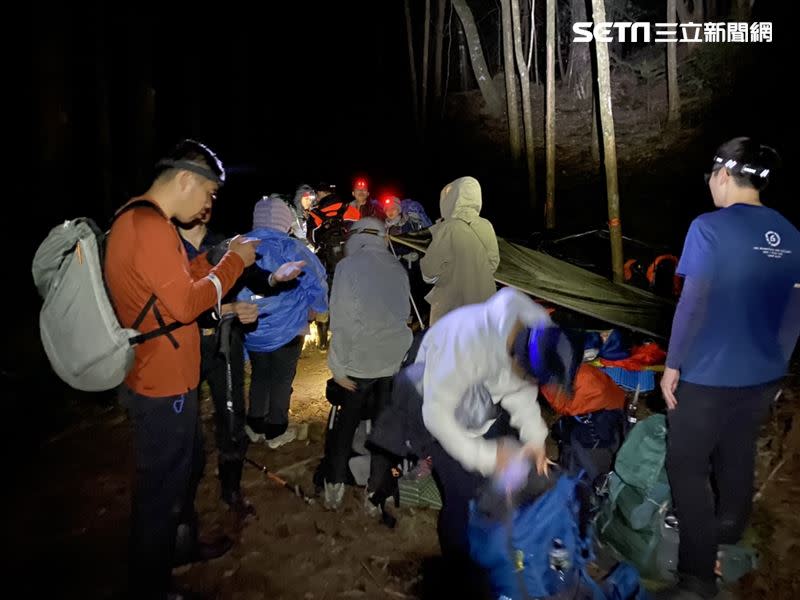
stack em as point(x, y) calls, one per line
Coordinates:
point(773, 239)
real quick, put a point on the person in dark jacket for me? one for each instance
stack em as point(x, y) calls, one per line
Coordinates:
point(229, 429)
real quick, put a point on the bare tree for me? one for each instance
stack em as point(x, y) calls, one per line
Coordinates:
point(609, 143)
point(482, 75)
point(527, 109)
point(437, 61)
point(512, 99)
point(413, 69)
point(425, 58)
point(550, 118)
point(673, 92)
point(579, 70)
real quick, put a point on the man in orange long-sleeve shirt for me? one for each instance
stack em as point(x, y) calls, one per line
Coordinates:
point(152, 284)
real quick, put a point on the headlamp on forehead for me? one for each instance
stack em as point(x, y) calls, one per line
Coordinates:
point(360, 185)
point(187, 165)
point(736, 167)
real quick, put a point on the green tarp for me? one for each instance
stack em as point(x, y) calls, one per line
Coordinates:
point(553, 280)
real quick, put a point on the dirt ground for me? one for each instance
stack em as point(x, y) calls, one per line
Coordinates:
point(68, 517)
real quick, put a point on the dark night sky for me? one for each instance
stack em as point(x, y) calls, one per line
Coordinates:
point(298, 91)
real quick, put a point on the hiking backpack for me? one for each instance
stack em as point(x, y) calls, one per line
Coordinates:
point(635, 521)
point(330, 235)
point(81, 334)
point(542, 548)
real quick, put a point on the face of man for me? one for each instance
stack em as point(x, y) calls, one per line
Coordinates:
point(197, 196)
point(361, 195)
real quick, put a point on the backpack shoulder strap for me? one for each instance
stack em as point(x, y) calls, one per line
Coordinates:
point(130, 206)
point(163, 329)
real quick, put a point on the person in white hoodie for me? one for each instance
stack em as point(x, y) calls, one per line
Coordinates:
point(476, 360)
point(369, 313)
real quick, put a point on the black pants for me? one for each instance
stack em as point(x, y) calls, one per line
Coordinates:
point(271, 385)
point(168, 448)
point(712, 440)
point(457, 487)
point(228, 428)
point(366, 402)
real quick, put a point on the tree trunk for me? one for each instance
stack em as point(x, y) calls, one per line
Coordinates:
point(609, 144)
point(561, 68)
point(512, 99)
point(425, 58)
point(673, 92)
point(741, 10)
point(595, 133)
point(527, 109)
point(579, 70)
point(413, 68)
point(482, 75)
point(536, 76)
point(684, 14)
point(437, 61)
point(530, 36)
point(550, 118)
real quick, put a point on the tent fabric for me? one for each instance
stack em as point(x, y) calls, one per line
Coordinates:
point(553, 280)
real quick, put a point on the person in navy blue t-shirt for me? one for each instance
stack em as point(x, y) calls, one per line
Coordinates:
point(734, 330)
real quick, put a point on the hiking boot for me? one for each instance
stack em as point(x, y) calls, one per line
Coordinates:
point(371, 509)
point(254, 428)
point(333, 495)
point(230, 478)
point(322, 332)
point(201, 551)
point(239, 505)
point(287, 436)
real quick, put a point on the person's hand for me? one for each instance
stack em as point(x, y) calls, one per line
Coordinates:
point(507, 450)
point(538, 456)
point(288, 271)
point(246, 312)
point(245, 248)
point(669, 382)
point(346, 383)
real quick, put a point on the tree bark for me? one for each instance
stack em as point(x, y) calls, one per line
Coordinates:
point(550, 118)
point(609, 144)
point(437, 61)
point(413, 68)
point(579, 70)
point(482, 75)
point(673, 92)
point(527, 109)
point(512, 98)
point(425, 58)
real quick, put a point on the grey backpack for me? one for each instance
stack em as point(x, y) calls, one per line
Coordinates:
point(82, 337)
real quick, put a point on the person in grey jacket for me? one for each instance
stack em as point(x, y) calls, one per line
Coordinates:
point(463, 254)
point(369, 312)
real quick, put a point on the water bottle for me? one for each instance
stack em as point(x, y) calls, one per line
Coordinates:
point(630, 411)
point(559, 556)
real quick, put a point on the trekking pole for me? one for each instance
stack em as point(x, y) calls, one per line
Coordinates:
point(410, 295)
point(295, 489)
point(225, 328)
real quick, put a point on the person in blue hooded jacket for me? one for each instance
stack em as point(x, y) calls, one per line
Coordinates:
point(274, 345)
